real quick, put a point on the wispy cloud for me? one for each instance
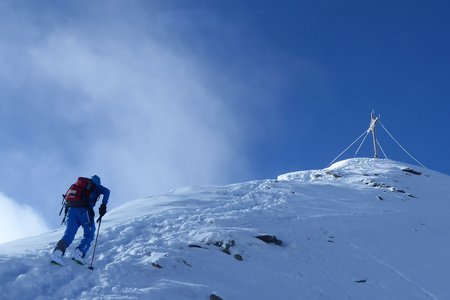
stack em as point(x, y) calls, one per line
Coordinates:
point(142, 115)
point(117, 101)
point(18, 220)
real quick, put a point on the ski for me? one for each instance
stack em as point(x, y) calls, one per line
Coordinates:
point(62, 264)
point(78, 262)
point(53, 262)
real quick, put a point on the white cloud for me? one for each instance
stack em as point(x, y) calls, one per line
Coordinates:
point(147, 116)
point(118, 94)
point(18, 220)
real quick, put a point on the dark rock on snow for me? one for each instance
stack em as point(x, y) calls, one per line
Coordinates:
point(269, 239)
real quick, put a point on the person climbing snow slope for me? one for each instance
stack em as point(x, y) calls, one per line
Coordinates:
point(79, 202)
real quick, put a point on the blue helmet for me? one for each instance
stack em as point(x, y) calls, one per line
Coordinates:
point(96, 179)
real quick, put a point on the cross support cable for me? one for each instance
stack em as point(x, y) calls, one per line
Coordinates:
point(372, 129)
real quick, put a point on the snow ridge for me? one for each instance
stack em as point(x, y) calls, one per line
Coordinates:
point(361, 228)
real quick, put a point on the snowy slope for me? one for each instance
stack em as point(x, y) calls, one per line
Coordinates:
point(360, 229)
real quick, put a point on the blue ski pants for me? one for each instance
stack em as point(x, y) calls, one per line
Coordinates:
point(76, 217)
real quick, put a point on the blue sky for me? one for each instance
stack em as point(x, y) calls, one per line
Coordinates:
point(154, 95)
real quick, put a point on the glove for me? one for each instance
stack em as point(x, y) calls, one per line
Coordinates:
point(101, 211)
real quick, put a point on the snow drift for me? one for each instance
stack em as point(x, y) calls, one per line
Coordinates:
point(360, 229)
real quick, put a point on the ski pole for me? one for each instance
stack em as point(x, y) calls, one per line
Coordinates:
point(62, 204)
point(95, 244)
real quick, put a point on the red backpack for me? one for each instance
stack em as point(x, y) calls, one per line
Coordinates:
point(79, 193)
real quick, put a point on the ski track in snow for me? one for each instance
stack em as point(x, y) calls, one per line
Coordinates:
point(327, 219)
point(398, 273)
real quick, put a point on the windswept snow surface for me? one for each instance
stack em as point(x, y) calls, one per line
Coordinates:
point(360, 229)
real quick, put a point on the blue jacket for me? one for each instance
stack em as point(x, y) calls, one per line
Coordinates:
point(97, 192)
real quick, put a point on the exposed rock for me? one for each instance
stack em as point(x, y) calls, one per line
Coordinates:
point(225, 246)
point(186, 263)
point(409, 170)
point(269, 239)
point(196, 246)
point(333, 174)
point(238, 257)
point(214, 297)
